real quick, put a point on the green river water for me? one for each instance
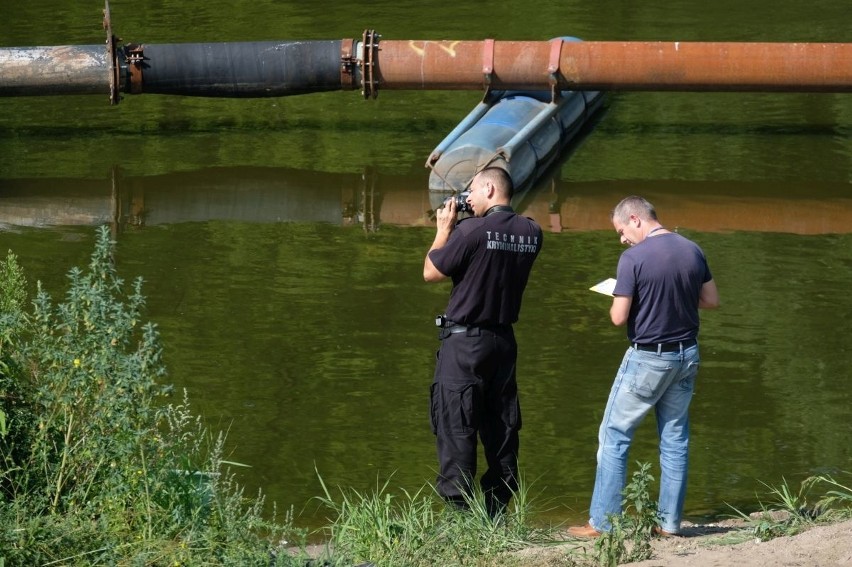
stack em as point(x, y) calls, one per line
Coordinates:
point(282, 241)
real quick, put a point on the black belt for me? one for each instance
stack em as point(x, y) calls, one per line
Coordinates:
point(449, 327)
point(666, 347)
point(458, 328)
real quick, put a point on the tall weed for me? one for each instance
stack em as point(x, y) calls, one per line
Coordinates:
point(629, 539)
point(96, 466)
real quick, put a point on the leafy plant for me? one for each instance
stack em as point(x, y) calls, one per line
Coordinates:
point(16, 421)
point(629, 538)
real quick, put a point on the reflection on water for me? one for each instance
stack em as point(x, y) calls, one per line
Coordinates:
point(370, 199)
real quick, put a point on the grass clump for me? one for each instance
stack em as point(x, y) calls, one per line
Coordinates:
point(836, 503)
point(785, 514)
point(789, 511)
point(97, 467)
point(417, 529)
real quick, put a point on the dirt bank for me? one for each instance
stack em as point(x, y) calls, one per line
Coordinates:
point(725, 544)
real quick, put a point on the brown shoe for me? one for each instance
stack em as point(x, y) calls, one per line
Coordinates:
point(586, 531)
point(663, 533)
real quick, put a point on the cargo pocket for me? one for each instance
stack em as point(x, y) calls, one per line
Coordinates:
point(433, 408)
point(511, 407)
point(453, 407)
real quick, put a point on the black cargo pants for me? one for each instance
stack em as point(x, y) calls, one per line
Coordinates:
point(475, 392)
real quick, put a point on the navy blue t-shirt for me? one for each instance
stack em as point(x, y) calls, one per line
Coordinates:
point(489, 260)
point(663, 274)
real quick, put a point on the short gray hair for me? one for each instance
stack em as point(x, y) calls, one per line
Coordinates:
point(633, 205)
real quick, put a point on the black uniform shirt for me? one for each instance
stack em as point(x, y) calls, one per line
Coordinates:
point(489, 259)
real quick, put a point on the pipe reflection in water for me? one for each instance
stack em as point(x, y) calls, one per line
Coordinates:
point(370, 199)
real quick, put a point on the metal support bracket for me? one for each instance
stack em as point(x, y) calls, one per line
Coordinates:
point(487, 65)
point(553, 67)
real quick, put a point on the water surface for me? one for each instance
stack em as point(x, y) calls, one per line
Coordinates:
point(282, 242)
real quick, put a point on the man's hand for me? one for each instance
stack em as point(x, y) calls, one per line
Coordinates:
point(446, 217)
point(446, 221)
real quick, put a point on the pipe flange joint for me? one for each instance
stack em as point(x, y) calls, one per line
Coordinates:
point(369, 61)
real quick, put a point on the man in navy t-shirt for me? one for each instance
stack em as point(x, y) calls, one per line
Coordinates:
point(661, 282)
point(488, 257)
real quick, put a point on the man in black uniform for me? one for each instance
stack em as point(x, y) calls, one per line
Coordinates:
point(489, 257)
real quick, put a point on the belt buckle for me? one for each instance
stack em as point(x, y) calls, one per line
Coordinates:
point(440, 320)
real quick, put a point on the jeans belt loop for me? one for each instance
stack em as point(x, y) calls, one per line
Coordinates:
point(659, 348)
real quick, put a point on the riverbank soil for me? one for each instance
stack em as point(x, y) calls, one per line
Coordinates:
point(724, 544)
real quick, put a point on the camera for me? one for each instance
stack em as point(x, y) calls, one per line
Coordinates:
point(461, 202)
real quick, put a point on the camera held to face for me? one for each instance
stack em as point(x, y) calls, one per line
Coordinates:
point(461, 202)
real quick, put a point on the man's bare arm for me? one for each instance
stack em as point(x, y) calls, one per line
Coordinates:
point(620, 309)
point(708, 298)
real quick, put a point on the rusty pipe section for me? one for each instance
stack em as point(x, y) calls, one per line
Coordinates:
point(627, 66)
point(67, 70)
point(268, 69)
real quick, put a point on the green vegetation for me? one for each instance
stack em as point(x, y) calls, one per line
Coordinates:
point(95, 466)
point(412, 529)
point(630, 537)
point(836, 502)
point(788, 513)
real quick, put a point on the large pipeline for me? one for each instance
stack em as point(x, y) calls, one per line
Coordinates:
point(272, 69)
point(281, 68)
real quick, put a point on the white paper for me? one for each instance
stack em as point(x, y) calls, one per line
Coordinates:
point(605, 287)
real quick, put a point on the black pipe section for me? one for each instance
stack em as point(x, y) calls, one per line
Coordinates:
point(234, 70)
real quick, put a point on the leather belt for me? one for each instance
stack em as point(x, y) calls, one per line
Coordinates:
point(459, 328)
point(449, 327)
point(666, 347)
point(456, 328)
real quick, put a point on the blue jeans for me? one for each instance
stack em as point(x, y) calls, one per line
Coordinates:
point(646, 380)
